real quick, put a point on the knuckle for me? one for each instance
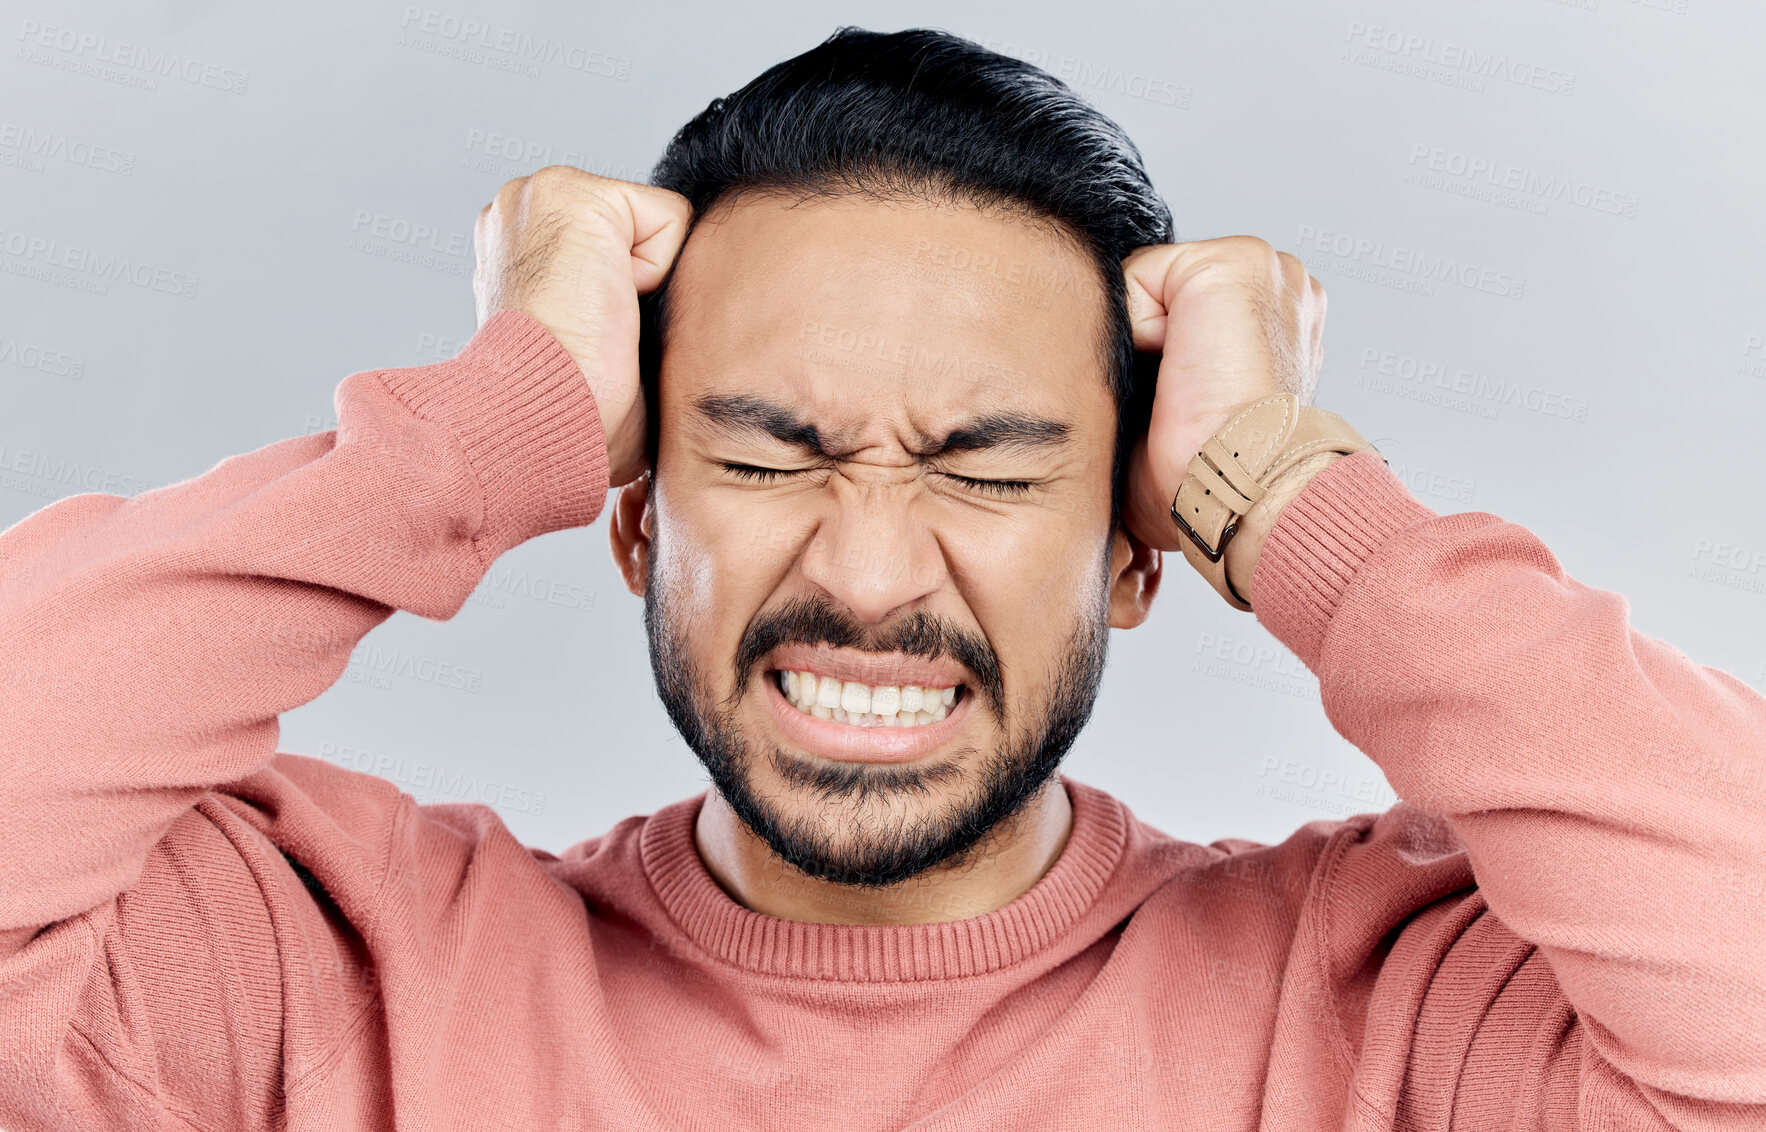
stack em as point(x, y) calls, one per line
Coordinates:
point(669, 201)
point(566, 182)
point(507, 198)
point(556, 174)
point(1251, 248)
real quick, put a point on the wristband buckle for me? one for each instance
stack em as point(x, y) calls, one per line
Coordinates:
point(1211, 553)
point(1235, 468)
point(1223, 477)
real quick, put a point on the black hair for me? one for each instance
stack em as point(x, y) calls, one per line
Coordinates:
point(925, 113)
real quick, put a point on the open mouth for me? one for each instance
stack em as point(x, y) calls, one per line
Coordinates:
point(866, 705)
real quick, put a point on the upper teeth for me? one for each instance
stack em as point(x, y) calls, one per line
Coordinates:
point(867, 705)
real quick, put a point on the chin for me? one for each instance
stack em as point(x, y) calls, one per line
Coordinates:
point(932, 814)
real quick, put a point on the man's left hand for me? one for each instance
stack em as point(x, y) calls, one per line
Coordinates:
point(1235, 321)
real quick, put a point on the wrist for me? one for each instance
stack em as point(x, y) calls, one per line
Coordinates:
point(627, 446)
point(514, 401)
point(1246, 547)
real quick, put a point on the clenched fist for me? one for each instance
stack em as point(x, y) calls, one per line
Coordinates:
point(575, 250)
point(1235, 321)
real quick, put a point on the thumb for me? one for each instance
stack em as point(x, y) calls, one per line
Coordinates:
point(660, 220)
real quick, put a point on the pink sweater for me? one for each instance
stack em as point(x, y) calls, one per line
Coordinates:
point(1562, 926)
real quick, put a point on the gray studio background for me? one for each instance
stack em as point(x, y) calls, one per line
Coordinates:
point(303, 183)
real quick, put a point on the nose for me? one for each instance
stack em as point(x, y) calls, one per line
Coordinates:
point(874, 551)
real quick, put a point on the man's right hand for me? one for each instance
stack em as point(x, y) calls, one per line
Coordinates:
point(575, 250)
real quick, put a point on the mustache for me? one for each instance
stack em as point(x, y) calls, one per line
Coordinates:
point(813, 620)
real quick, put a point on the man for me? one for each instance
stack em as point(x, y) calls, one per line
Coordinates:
point(889, 469)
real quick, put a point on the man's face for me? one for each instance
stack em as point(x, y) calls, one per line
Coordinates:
point(838, 376)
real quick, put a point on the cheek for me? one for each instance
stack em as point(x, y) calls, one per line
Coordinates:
point(1046, 562)
point(715, 572)
point(688, 576)
point(1026, 593)
point(731, 548)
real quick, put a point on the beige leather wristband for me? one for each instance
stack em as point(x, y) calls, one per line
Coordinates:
point(1236, 467)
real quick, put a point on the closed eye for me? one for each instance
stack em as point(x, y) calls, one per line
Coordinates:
point(757, 474)
point(992, 487)
point(761, 475)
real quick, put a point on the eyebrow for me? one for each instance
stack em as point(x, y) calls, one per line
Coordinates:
point(744, 415)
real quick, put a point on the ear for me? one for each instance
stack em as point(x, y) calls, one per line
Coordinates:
point(630, 531)
point(1135, 571)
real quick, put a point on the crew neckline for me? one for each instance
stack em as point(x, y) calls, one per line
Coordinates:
point(864, 953)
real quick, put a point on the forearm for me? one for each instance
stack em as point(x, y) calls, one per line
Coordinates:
point(154, 641)
point(1566, 749)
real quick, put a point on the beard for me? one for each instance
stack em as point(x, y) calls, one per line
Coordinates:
point(878, 849)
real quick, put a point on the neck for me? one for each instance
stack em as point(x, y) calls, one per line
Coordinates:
point(1013, 857)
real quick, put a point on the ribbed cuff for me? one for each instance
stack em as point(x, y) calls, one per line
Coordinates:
point(527, 422)
point(1319, 542)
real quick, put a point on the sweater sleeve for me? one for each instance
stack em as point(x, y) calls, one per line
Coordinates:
point(1608, 791)
point(149, 644)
